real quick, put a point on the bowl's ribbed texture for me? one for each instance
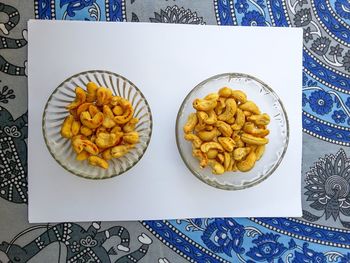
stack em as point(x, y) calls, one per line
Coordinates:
point(55, 112)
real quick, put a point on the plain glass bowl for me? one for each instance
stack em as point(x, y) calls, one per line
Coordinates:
point(55, 112)
point(268, 102)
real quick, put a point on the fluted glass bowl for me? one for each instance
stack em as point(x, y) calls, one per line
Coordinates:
point(55, 112)
point(268, 102)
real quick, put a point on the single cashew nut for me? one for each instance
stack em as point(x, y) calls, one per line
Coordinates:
point(248, 163)
point(208, 135)
point(224, 128)
point(211, 96)
point(83, 155)
point(227, 143)
point(192, 121)
point(205, 147)
point(230, 110)
point(127, 114)
point(259, 151)
point(239, 96)
point(217, 168)
point(131, 137)
point(241, 153)
point(85, 131)
point(250, 106)
point(240, 120)
point(225, 92)
point(75, 127)
point(194, 139)
point(93, 122)
point(261, 119)
point(108, 117)
point(80, 97)
point(66, 128)
point(211, 117)
point(120, 150)
point(130, 125)
point(204, 104)
point(212, 153)
point(98, 161)
point(250, 128)
point(220, 105)
point(106, 140)
point(227, 160)
point(91, 91)
point(250, 139)
point(103, 96)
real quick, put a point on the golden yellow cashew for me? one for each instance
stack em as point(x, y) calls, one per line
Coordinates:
point(241, 153)
point(118, 110)
point(108, 117)
point(205, 147)
point(217, 168)
point(91, 88)
point(120, 150)
point(261, 119)
point(211, 117)
point(220, 105)
point(208, 135)
point(250, 106)
point(204, 104)
point(82, 144)
point(250, 139)
point(98, 161)
point(103, 96)
point(239, 95)
point(75, 127)
point(250, 128)
point(83, 155)
point(240, 120)
point(83, 107)
point(211, 96)
point(201, 156)
point(127, 114)
point(225, 92)
point(212, 153)
point(106, 140)
point(248, 163)
point(106, 154)
point(131, 137)
point(89, 122)
point(66, 128)
point(130, 125)
point(259, 151)
point(192, 121)
point(227, 160)
point(227, 143)
point(85, 131)
point(224, 128)
point(230, 110)
point(194, 139)
point(80, 97)
point(93, 110)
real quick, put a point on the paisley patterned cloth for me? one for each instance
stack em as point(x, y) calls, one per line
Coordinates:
point(321, 235)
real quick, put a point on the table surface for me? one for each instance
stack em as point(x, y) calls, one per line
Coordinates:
point(321, 235)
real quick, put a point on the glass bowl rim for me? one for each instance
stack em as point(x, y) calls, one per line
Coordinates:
point(197, 174)
point(67, 80)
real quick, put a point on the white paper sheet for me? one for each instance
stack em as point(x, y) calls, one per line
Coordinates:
point(165, 62)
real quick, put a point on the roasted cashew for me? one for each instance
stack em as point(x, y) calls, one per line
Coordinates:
point(89, 122)
point(208, 135)
point(220, 105)
point(239, 96)
point(106, 140)
point(83, 155)
point(82, 144)
point(205, 147)
point(192, 121)
point(93, 110)
point(211, 117)
point(225, 92)
point(261, 119)
point(85, 130)
point(230, 110)
point(204, 104)
point(227, 160)
point(248, 163)
point(241, 153)
point(98, 161)
point(227, 143)
point(250, 106)
point(224, 128)
point(91, 88)
point(194, 139)
point(103, 96)
point(250, 128)
point(66, 128)
point(211, 96)
point(217, 168)
point(127, 114)
point(250, 139)
point(108, 117)
point(80, 97)
point(131, 137)
point(120, 150)
point(259, 151)
point(240, 120)
point(75, 127)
